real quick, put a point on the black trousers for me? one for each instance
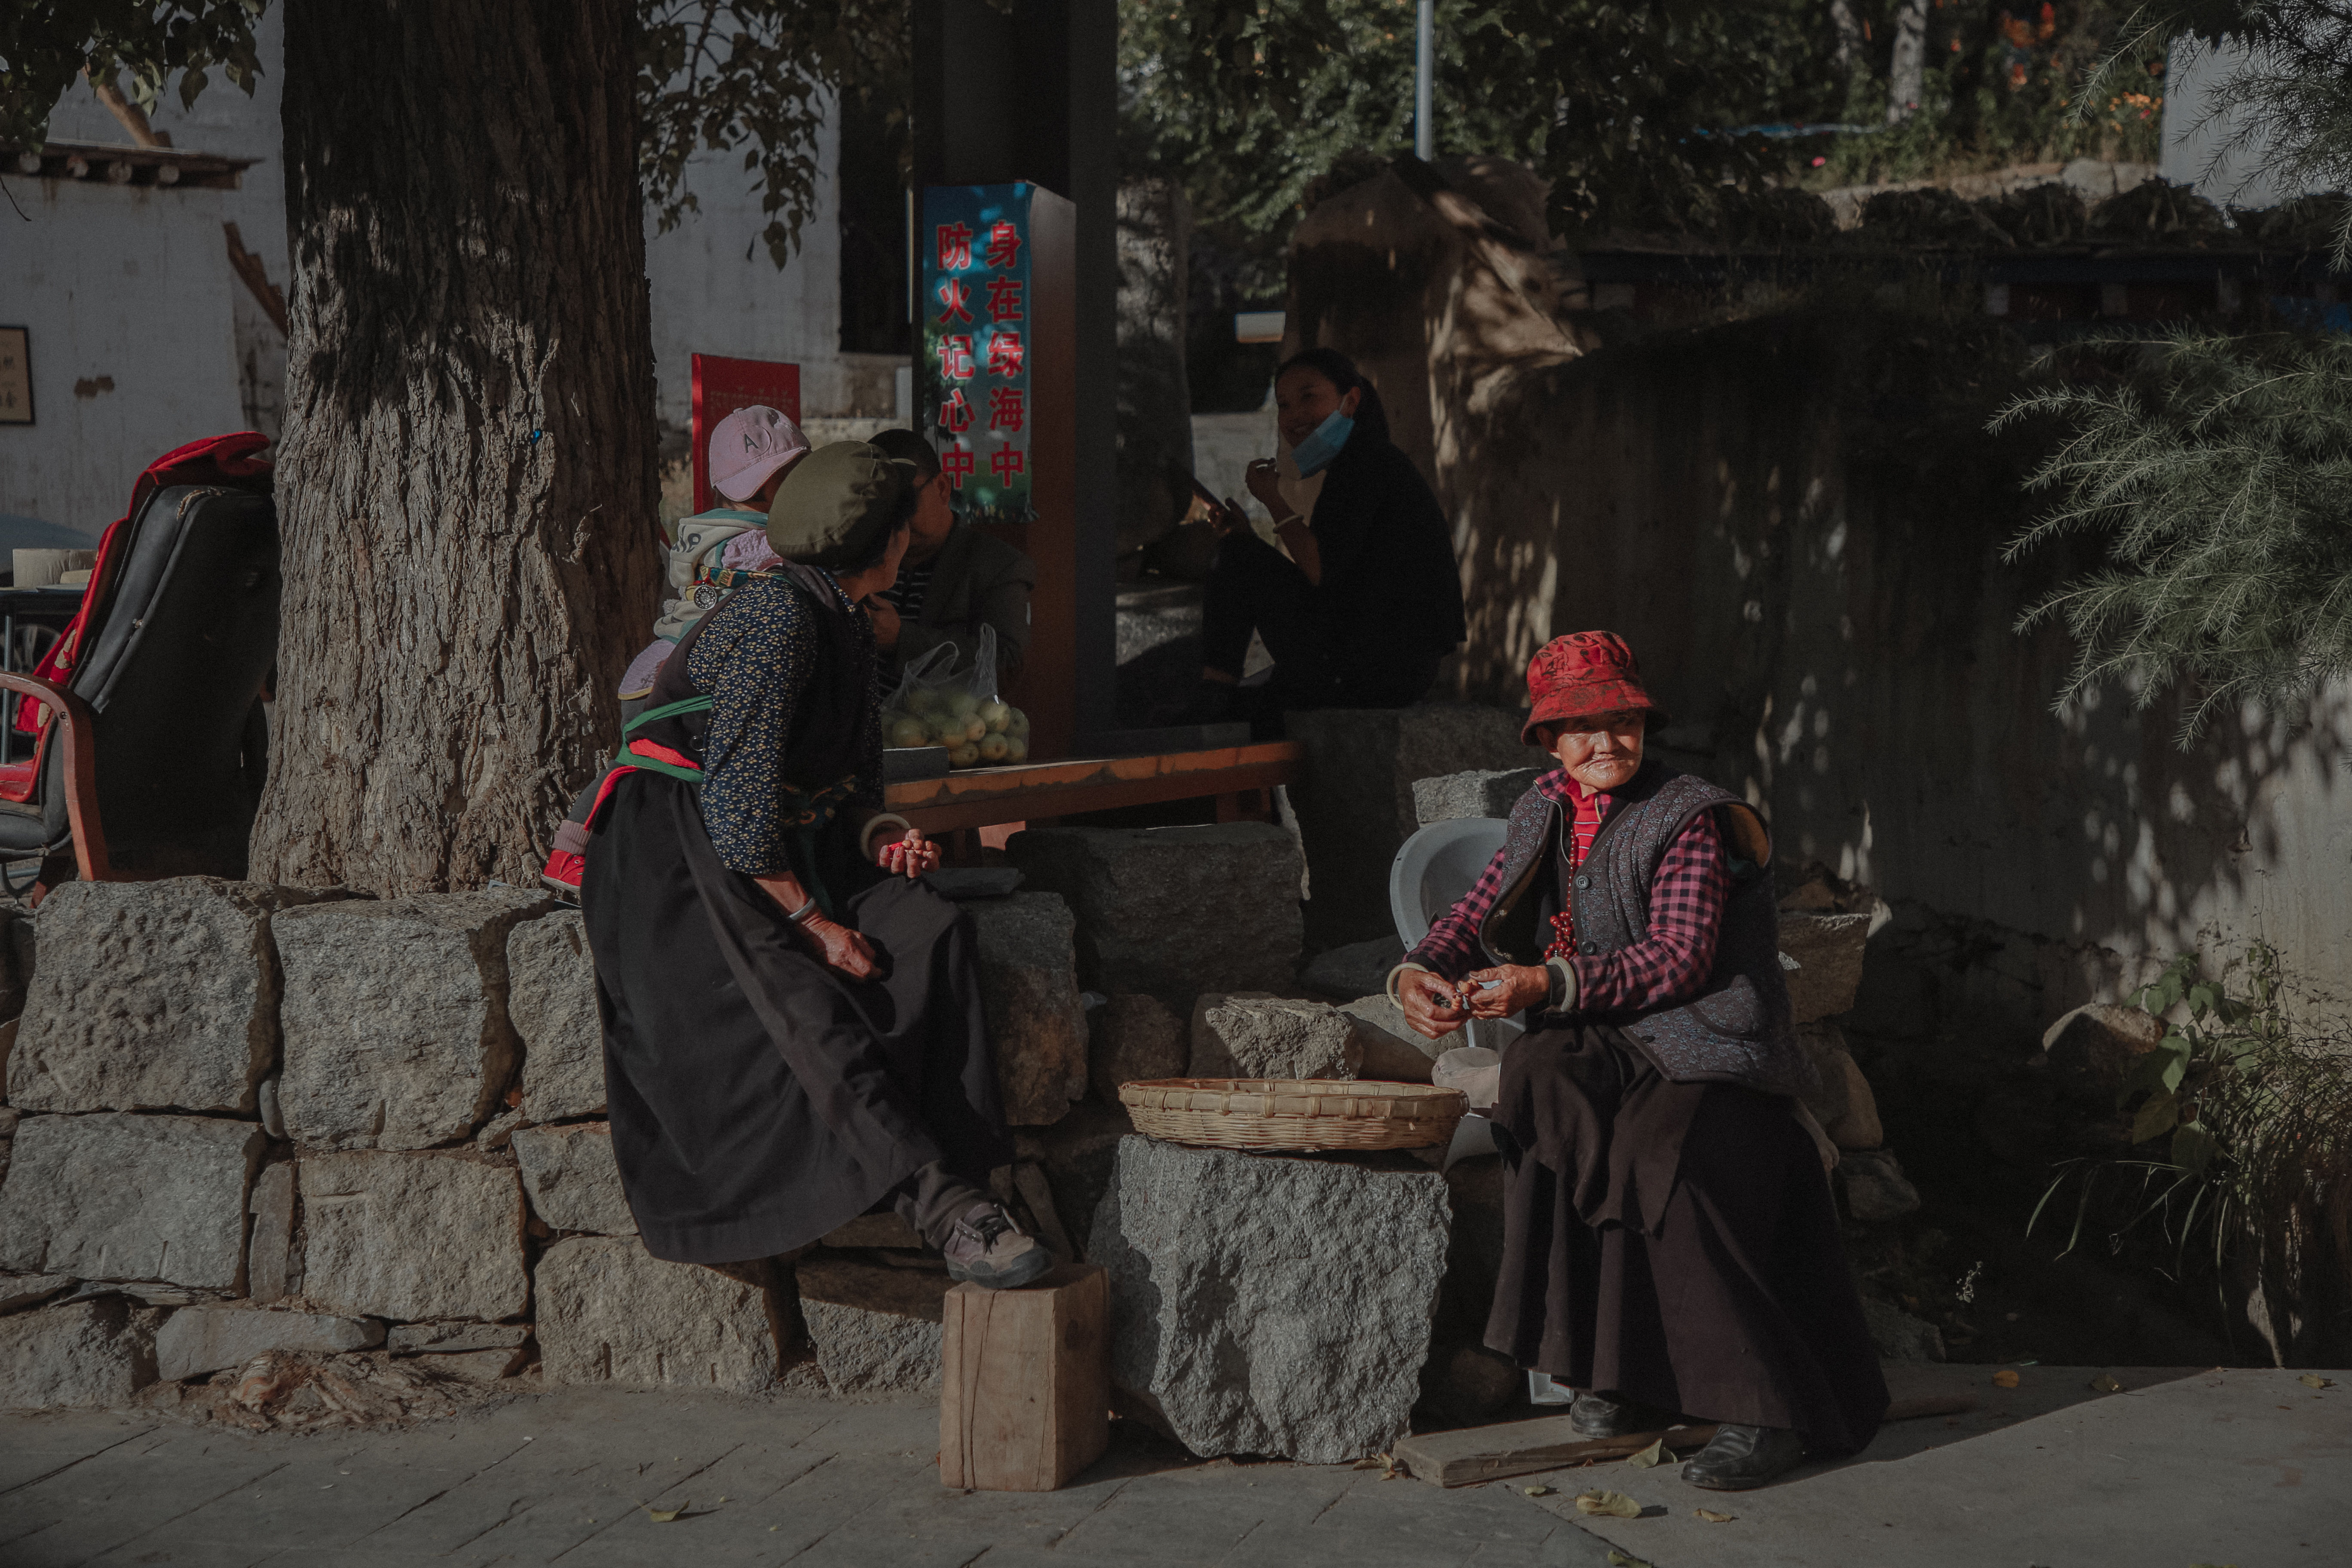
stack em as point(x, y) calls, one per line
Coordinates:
point(1254, 587)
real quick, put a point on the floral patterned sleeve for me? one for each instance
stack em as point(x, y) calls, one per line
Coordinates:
point(754, 659)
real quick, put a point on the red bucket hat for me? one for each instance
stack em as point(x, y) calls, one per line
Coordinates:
point(1582, 674)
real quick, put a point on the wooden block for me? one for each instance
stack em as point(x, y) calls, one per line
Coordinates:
point(1024, 1398)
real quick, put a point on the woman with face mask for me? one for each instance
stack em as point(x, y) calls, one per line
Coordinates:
point(1367, 599)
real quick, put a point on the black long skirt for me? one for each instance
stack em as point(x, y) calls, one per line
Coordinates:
point(1675, 1244)
point(758, 1098)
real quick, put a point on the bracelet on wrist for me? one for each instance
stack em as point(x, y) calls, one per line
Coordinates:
point(801, 916)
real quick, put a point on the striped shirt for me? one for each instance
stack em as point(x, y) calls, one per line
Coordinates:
point(906, 595)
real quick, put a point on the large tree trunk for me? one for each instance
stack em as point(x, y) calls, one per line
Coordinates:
point(468, 484)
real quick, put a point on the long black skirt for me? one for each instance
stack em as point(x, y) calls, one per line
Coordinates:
point(758, 1098)
point(1675, 1244)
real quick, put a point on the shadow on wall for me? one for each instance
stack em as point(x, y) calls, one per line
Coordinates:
point(1796, 521)
point(1436, 279)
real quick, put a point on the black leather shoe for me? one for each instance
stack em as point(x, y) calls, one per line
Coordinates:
point(1598, 1415)
point(1744, 1458)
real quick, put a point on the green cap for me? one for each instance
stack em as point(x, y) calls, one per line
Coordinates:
point(837, 503)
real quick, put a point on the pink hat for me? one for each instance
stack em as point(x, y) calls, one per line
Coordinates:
point(748, 449)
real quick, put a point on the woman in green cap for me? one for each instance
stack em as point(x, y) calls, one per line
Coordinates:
point(793, 1024)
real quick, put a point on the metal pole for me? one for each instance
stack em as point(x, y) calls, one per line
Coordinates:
point(1425, 83)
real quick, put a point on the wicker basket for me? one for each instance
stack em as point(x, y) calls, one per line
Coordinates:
point(1292, 1113)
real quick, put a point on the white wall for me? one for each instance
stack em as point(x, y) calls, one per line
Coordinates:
point(2198, 148)
point(124, 284)
point(715, 291)
point(225, 122)
point(131, 283)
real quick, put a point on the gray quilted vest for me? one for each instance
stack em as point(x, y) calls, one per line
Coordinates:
point(1737, 1028)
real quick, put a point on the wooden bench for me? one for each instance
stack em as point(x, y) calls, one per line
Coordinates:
point(1240, 778)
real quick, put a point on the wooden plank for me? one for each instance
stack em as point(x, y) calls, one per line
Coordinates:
point(982, 798)
point(1478, 1454)
point(1025, 1391)
point(967, 785)
point(1474, 1454)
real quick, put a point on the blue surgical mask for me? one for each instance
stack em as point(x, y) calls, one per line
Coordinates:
point(1314, 454)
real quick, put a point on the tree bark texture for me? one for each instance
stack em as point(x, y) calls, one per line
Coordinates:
point(1155, 401)
point(1906, 69)
point(467, 485)
point(1848, 28)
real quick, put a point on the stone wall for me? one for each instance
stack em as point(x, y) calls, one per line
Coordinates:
point(250, 1132)
point(285, 1160)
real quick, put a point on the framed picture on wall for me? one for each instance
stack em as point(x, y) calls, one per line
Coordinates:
point(15, 375)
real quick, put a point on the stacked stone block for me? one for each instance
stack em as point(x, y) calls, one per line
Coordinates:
point(243, 1120)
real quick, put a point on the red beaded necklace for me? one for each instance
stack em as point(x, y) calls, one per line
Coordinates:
point(1583, 827)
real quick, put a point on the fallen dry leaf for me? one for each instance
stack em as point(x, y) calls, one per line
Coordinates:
point(2313, 1380)
point(1537, 1491)
point(1651, 1458)
point(1712, 1517)
point(664, 1515)
point(1615, 1504)
point(2004, 1378)
point(2103, 1384)
point(1627, 1560)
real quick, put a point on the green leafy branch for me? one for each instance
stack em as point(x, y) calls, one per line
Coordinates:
point(43, 48)
point(2221, 468)
point(757, 77)
point(2282, 84)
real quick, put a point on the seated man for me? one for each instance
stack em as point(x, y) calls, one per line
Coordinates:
point(956, 579)
point(793, 1022)
point(1669, 1241)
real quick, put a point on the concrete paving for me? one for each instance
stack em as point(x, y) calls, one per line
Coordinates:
point(569, 1477)
point(2252, 1469)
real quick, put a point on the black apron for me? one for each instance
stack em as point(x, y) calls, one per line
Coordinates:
point(758, 1098)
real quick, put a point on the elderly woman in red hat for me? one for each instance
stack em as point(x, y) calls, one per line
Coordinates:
point(1670, 1245)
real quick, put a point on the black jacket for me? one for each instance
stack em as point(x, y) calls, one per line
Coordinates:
point(1390, 580)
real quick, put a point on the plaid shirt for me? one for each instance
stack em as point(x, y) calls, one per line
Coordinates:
point(1667, 966)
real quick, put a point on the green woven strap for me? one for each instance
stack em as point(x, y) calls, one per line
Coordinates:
point(668, 711)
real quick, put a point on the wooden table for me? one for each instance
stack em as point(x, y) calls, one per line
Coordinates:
point(1242, 778)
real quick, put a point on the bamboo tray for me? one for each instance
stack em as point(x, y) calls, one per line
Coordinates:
point(1292, 1113)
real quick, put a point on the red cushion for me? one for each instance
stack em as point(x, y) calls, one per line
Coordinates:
point(16, 780)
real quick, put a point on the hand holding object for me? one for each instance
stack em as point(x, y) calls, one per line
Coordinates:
point(1430, 1005)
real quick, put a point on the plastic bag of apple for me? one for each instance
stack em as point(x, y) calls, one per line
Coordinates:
point(938, 705)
